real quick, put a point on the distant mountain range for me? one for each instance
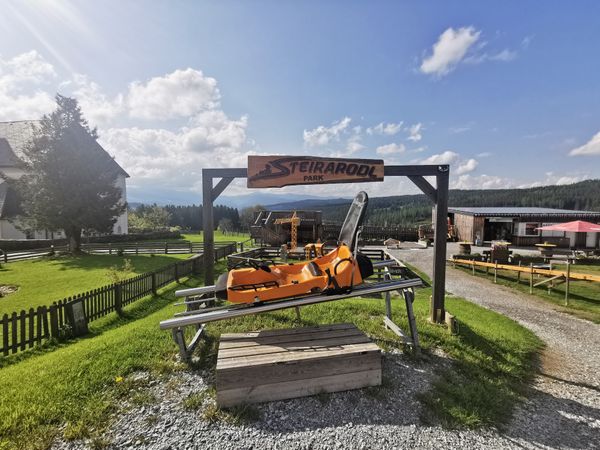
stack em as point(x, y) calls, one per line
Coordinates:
point(412, 209)
point(416, 208)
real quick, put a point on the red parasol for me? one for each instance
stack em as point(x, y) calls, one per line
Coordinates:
point(577, 226)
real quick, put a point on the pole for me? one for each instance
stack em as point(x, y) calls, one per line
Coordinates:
point(437, 311)
point(496, 271)
point(567, 283)
point(531, 278)
point(208, 228)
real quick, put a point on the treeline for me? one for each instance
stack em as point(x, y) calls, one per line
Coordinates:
point(185, 217)
point(415, 209)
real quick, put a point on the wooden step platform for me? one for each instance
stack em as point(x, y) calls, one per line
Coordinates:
point(280, 364)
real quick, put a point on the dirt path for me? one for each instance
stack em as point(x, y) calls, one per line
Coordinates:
point(563, 410)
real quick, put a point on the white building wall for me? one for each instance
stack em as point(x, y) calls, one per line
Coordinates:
point(8, 231)
point(120, 226)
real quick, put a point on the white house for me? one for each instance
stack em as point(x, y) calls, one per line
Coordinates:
point(13, 138)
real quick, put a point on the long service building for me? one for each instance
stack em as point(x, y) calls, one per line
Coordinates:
point(518, 225)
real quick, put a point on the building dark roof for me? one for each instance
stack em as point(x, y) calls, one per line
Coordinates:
point(9, 204)
point(14, 136)
point(521, 211)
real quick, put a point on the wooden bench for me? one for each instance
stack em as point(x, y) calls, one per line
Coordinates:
point(280, 364)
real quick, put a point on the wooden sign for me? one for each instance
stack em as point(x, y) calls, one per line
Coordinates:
point(279, 171)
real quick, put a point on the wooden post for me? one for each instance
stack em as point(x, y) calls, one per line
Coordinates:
point(208, 228)
point(567, 283)
point(531, 278)
point(166, 248)
point(473, 267)
point(437, 312)
point(176, 272)
point(519, 274)
point(53, 322)
point(109, 248)
point(119, 298)
point(495, 271)
point(153, 275)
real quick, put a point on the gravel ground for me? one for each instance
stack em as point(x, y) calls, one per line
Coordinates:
point(562, 411)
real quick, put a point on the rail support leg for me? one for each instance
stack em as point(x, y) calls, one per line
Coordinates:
point(180, 341)
point(409, 298)
point(298, 318)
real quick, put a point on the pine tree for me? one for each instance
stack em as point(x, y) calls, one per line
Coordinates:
point(68, 184)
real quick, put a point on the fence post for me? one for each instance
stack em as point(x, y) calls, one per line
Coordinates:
point(190, 246)
point(531, 278)
point(166, 248)
point(176, 271)
point(53, 321)
point(519, 274)
point(567, 283)
point(496, 271)
point(109, 248)
point(153, 283)
point(119, 298)
point(241, 246)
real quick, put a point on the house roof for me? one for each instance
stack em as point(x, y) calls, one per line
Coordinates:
point(521, 211)
point(9, 205)
point(14, 136)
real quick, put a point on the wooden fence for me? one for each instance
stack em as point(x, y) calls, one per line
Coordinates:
point(114, 248)
point(374, 233)
point(555, 276)
point(28, 328)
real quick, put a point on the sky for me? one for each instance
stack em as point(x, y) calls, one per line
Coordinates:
point(506, 93)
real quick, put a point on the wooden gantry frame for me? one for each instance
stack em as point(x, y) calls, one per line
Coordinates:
point(416, 173)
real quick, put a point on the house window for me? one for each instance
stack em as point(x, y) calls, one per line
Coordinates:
point(530, 229)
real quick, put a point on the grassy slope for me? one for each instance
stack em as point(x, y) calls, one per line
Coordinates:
point(42, 281)
point(584, 296)
point(76, 383)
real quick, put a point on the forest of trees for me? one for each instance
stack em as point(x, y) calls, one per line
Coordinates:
point(190, 217)
point(407, 210)
point(415, 209)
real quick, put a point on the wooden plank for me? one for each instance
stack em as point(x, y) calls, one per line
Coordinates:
point(547, 272)
point(303, 346)
point(279, 171)
point(266, 333)
point(319, 353)
point(5, 334)
point(298, 388)
point(296, 370)
point(296, 337)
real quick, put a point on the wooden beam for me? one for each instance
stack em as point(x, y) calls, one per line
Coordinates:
point(208, 227)
point(415, 170)
point(437, 310)
point(220, 187)
point(425, 186)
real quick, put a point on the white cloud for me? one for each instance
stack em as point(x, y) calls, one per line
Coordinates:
point(448, 157)
point(467, 166)
point(178, 94)
point(481, 182)
point(484, 154)
point(592, 147)
point(96, 106)
point(353, 144)
point(450, 48)
point(323, 135)
point(390, 149)
point(415, 132)
point(388, 129)
point(21, 78)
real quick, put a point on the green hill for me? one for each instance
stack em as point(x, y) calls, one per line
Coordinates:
point(413, 209)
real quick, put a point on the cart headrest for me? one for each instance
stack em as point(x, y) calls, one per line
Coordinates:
point(354, 219)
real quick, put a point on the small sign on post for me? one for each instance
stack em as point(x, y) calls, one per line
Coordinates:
point(279, 171)
point(76, 317)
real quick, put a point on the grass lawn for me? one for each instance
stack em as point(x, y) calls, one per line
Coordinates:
point(584, 296)
point(42, 281)
point(79, 384)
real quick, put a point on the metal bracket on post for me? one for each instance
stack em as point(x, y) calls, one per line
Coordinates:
point(409, 297)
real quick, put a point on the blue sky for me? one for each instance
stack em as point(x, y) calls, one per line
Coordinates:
point(507, 94)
